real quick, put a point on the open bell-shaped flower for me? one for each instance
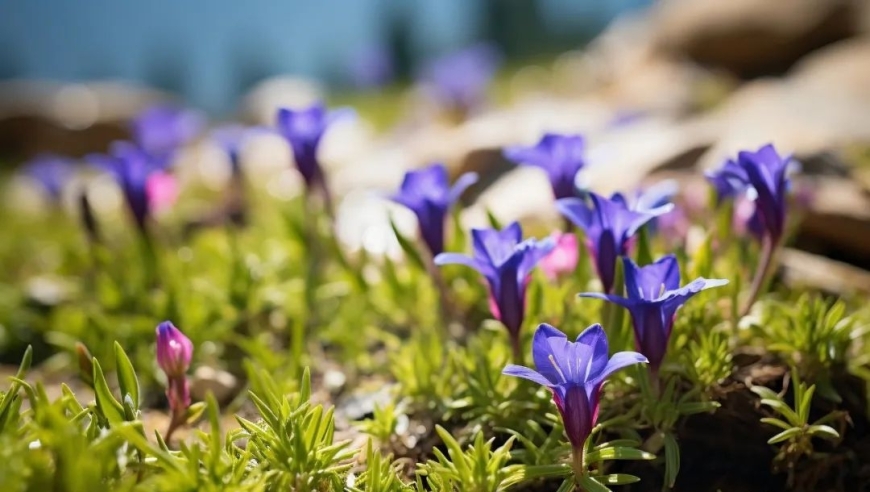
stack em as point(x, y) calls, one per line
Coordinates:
point(574, 372)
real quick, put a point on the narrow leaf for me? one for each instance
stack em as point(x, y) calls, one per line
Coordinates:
point(107, 405)
point(127, 379)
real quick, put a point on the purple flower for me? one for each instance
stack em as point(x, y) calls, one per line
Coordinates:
point(506, 261)
point(174, 350)
point(51, 171)
point(609, 225)
point(561, 156)
point(303, 129)
point(574, 372)
point(132, 168)
point(728, 181)
point(428, 194)
point(161, 130)
point(459, 80)
point(657, 195)
point(654, 295)
point(652, 197)
point(766, 172)
point(231, 138)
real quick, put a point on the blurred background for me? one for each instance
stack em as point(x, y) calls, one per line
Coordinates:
point(211, 55)
point(665, 87)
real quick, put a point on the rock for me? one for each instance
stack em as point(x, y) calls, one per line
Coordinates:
point(220, 383)
point(752, 37)
point(69, 119)
point(797, 116)
point(801, 269)
point(838, 221)
point(262, 102)
point(841, 69)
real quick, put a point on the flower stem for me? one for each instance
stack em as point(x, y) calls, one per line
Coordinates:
point(579, 461)
point(768, 248)
point(517, 347)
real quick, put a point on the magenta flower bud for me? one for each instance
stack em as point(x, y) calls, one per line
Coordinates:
point(174, 350)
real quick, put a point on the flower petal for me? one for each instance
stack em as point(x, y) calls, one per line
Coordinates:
point(595, 338)
point(619, 361)
point(526, 373)
point(622, 301)
point(460, 186)
point(546, 361)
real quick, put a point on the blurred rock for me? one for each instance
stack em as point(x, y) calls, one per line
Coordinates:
point(752, 37)
point(797, 115)
point(842, 68)
point(623, 67)
point(69, 119)
point(838, 221)
point(262, 102)
point(220, 383)
point(801, 270)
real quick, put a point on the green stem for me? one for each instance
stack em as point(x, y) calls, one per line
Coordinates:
point(517, 347)
point(768, 250)
point(579, 461)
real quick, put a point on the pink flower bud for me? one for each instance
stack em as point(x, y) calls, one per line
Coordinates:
point(174, 350)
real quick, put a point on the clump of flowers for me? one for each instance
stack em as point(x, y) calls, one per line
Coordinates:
point(427, 192)
point(609, 224)
point(560, 156)
point(505, 260)
point(574, 372)
point(174, 352)
point(141, 178)
point(653, 296)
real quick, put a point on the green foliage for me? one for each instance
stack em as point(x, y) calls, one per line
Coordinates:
point(795, 438)
point(381, 474)
point(811, 334)
point(480, 468)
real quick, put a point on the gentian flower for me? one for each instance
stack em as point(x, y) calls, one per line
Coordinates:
point(174, 351)
point(303, 129)
point(653, 297)
point(459, 80)
point(728, 181)
point(574, 372)
point(231, 139)
point(51, 171)
point(564, 257)
point(161, 130)
point(506, 261)
point(766, 172)
point(560, 156)
point(609, 225)
point(133, 169)
point(428, 194)
point(652, 197)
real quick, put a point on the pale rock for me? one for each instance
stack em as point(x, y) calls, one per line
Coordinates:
point(261, 103)
point(220, 383)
